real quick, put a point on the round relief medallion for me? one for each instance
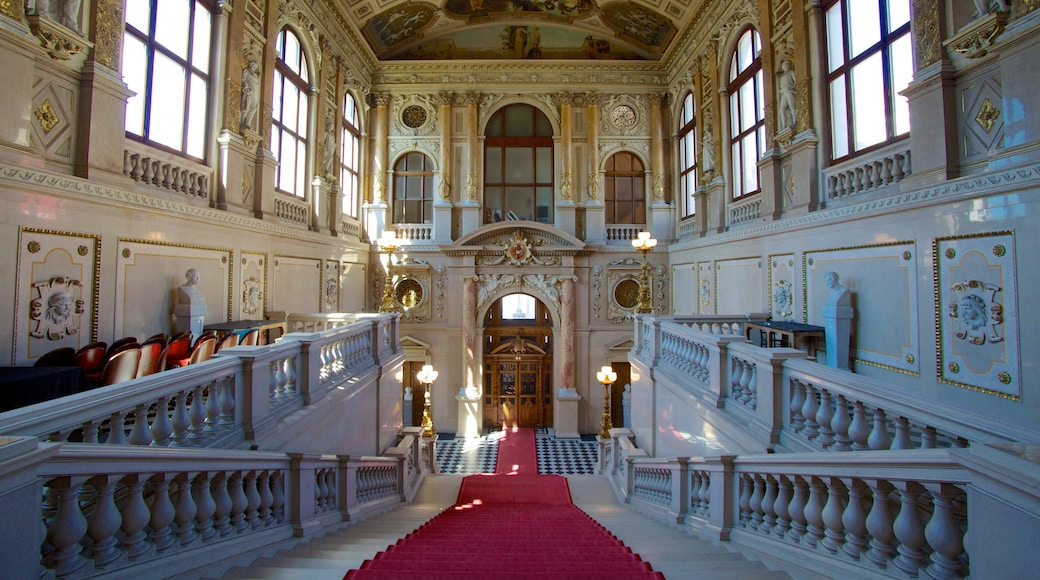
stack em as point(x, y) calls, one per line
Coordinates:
point(413, 116)
point(623, 117)
point(408, 292)
point(626, 293)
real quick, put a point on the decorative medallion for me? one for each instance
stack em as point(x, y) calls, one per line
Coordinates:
point(951, 253)
point(126, 253)
point(999, 251)
point(33, 247)
point(331, 293)
point(1004, 378)
point(252, 295)
point(623, 117)
point(413, 116)
point(46, 116)
point(82, 250)
point(954, 368)
point(626, 293)
point(223, 259)
point(987, 115)
point(56, 308)
point(783, 299)
point(517, 252)
point(408, 292)
point(910, 358)
point(906, 255)
point(976, 312)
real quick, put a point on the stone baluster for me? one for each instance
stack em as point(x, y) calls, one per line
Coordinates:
point(744, 503)
point(219, 488)
point(879, 438)
point(162, 513)
point(751, 386)
point(197, 414)
point(809, 410)
point(704, 493)
point(67, 528)
point(735, 388)
point(212, 422)
point(783, 501)
point(928, 438)
point(205, 506)
point(859, 429)
point(140, 433)
point(104, 521)
point(90, 432)
point(823, 419)
point(799, 500)
point(319, 491)
point(116, 429)
point(252, 501)
point(330, 483)
point(278, 380)
point(943, 533)
point(797, 401)
point(290, 375)
point(278, 495)
point(227, 403)
point(879, 524)
point(757, 515)
point(768, 504)
point(134, 517)
point(902, 438)
point(161, 427)
point(180, 421)
point(814, 512)
point(832, 515)
point(855, 518)
point(909, 529)
point(266, 498)
point(238, 502)
point(840, 424)
point(185, 511)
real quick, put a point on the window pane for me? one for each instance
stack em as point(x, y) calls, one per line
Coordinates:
point(902, 64)
point(301, 162)
point(519, 201)
point(760, 109)
point(135, 67)
point(200, 46)
point(196, 145)
point(518, 121)
point(171, 31)
point(745, 52)
point(835, 38)
point(290, 107)
point(737, 184)
point(413, 186)
point(734, 114)
point(898, 13)
point(541, 126)
point(543, 156)
point(493, 169)
point(303, 111)
point(747, 106)
point(868, 103)
point(137, 14)
point(167, 102)
point(286, 157)
point(864, 26)
point(291, 56)
point(623, 188)
point(519, 165)
point(750, 163)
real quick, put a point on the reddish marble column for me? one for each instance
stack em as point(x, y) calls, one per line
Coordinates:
point(471, 359)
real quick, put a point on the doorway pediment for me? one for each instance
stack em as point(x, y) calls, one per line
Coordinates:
point(517, 243)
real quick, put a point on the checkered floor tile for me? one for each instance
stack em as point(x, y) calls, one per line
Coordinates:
point(566, 456)
point(555, 456)
point(468, 456)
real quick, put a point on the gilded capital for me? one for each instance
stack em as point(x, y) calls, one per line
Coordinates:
point(378, 99)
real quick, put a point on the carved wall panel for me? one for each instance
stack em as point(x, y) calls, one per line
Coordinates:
point(684, 288)
point(980, 116)
point(148, 275)
point(414, 115)
point(353, 276)
point(705, 288)
point(253, 286)
point(296, 284)
point(885, 333)
point(977, 314)
point(56, 290)
point(782, 298)
point(331, 286)
point(624, 115)
point(738, 285)
point(53, 110)
point(622, 289)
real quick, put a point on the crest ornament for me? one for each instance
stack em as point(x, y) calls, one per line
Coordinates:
point(57, 308)
point(517, 252)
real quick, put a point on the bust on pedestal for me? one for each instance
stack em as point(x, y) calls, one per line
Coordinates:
point(837, 319)
point(190, 311)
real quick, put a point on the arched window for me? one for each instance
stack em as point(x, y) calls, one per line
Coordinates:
point(517, 307)
point(168, 66)
point(518, 166)
point(291, 115)
point(413, 189)
point(746, 113)
point(687, 158)
point(625, 195)
point(350, 157)
point(869, 60)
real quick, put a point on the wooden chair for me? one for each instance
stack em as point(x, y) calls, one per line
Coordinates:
point(206, 334)
point(121, 367)
point(149, 363)
point(203, 350)
point(118, 348)
point(91, 359)
point(250, 338)
point(157, 338)
point(177, 350)
point(59, 357)
point(230, 340)
point(120, 345)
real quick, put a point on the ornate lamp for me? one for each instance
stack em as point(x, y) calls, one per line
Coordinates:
point(607, 376)
point(645, 244)
point(388, 243)
point(426, 376)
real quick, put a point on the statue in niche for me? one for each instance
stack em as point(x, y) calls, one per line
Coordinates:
point(707, 151)
point(250, 94)
point(328, 153)
point(56, 308)
point(983, 7)
point(786, 96)
point(64, 12)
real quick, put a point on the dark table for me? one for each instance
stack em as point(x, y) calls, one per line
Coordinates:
point(242, 326)
point(23, 386)
point(786, 333)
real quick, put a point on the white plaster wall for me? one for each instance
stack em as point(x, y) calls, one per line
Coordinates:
point(681, 431)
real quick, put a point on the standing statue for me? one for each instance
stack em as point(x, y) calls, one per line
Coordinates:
point(328, 154)
point(982, 7)
point(64, 12)
point(786, 96)
point(190, 310)
point(707, 151)
point(250, 94)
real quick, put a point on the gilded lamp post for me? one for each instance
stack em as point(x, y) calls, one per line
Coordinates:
point(426, 376)
point(388, 243)
point(607, 376)
point(645, 244)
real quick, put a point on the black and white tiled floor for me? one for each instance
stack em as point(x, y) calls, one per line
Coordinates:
point(555, 456)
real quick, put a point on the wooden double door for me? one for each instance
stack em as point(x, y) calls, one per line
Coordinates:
point(518, 390)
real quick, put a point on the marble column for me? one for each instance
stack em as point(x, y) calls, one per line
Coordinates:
point(470, 184)
point(595, 220)
point(470, 418)
point(442, 203)
point(378, 216)
point(567, 397)
point(566, 215)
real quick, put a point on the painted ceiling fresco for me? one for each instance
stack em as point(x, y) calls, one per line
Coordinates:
point(518, 29)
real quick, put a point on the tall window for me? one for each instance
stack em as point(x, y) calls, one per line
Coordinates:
point(168, 66)
point(625, 195)
point(518, 166)
point(517, 307)
point(291, 114)
point(746, 113)
point(413, 190)
point(350, 157)
point(869, 60)
point(687, 158)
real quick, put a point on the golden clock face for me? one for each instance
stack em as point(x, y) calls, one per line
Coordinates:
point(626, 293)
point(408, 292)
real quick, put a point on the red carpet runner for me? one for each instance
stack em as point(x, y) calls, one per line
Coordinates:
point(514, 524)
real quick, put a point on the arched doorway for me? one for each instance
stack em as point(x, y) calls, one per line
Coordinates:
point(517, 363)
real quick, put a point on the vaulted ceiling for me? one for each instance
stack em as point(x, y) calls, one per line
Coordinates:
point(520, 29)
